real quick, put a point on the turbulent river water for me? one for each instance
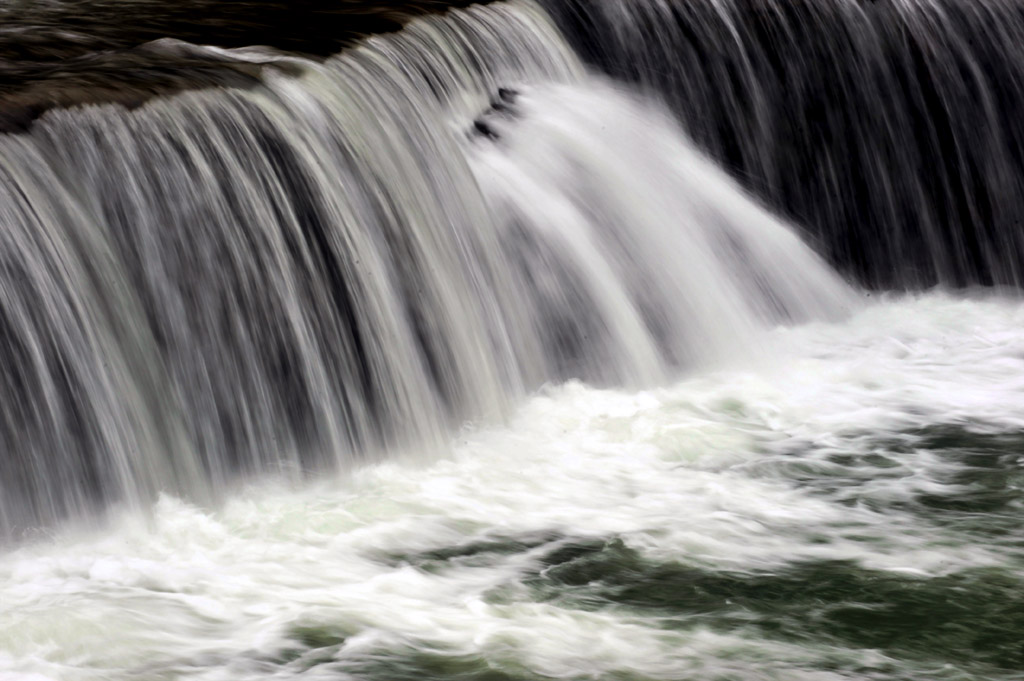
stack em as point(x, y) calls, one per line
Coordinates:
point(448, 357)
point(842, 503)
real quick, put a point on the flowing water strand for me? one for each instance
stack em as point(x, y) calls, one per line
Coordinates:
point(72, 432)
point(887, 129)
point(347, 259)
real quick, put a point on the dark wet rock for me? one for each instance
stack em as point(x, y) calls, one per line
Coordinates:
point(60, 54)
point(508, 95)
point(486, 129)
point(501, 106)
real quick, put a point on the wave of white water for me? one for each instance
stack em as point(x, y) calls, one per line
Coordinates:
point(710, 472)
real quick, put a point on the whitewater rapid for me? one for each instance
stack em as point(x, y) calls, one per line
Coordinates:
point(640, 534)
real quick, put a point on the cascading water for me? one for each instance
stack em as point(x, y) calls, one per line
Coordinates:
point(640, 253)
point(888, 128)
point(278, 279)
point(447, 358)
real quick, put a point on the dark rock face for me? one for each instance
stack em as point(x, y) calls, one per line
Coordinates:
point(61, 53)
point(129, 78)
point(63, 29)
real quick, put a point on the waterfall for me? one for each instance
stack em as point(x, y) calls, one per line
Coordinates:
point(357, 255)
point(889, 128)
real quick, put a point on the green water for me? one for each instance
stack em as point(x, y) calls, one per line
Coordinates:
point(967, 624)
